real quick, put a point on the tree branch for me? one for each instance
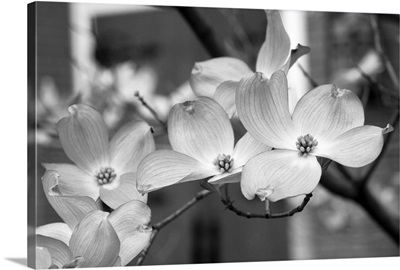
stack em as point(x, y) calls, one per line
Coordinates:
point(378, 46)
point(363, 196)
point(379, 213)
point(346, 189)
point(393, 122)
point(158, 226)
point(268, 215)
point(203, 31)
point(338, 186)
point(199, 196)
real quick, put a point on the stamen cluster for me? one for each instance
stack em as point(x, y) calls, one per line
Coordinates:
point(224, 163)
point(105, 175)
point(305, 144)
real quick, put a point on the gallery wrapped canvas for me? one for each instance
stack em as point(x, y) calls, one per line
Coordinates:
point(162, 135)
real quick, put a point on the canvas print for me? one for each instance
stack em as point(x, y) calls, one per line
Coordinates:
point(162, 135)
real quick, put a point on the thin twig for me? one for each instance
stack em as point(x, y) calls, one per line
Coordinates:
point(378, 46)
point(158, 226)
point(268, 215)
point(152, 111)
point(199, 196)
point(379, 87)
point(145, 251)
point(308, 76)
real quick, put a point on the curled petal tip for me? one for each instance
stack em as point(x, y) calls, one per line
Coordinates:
point(73, 109)
point(54, 191)
point(263, 193)
point(143, 190)
point(298, 52)
point(260, 76)
point(197, 68)
point(305, 49)
point(387, 129)
point(188, 106)
point(75, 263)
point(337, 92)
point(145, 228)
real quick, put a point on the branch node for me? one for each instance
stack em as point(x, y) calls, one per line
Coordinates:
point(229, 205)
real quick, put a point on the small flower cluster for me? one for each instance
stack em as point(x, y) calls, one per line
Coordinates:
point(91, 237)
point(277, 157)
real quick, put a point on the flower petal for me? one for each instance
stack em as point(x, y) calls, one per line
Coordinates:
point(225, 96)
point(70, 208)
point(58, 230)
point(131, 222)
point(279, 174)
point(166, 167)
point(43, 258)
point(59, 251)
point(207, 75)
point(200, 129)
point(326, 112)
point(275, 51)
point(226, 177)
point(246, 148)
point(354, 148)
point(125, 192)
point(294, 95)
point(297, 53)
point(84, 137)
point(95, 240)
point(117, 262)
point(262, 106)
point(72, 181)
point(76, 262)
point(130, 145)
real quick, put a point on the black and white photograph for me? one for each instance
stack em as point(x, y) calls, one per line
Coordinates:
point(169, 135)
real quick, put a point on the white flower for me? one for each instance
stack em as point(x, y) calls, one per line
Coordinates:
point(219, 77)
point(103, 168)
point(202, 140)
point(90, 237)
point(327, 122)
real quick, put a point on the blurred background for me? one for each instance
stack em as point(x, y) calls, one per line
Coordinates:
point(102, 54)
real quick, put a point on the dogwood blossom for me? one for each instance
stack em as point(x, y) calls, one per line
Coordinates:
point(327, 122)
point(219, 77)
point(202, 140)
point(90, 237)
point(103, 168)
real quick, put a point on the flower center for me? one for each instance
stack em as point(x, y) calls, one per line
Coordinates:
point(306, 144)
point(105, 175)
point(224, 163)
